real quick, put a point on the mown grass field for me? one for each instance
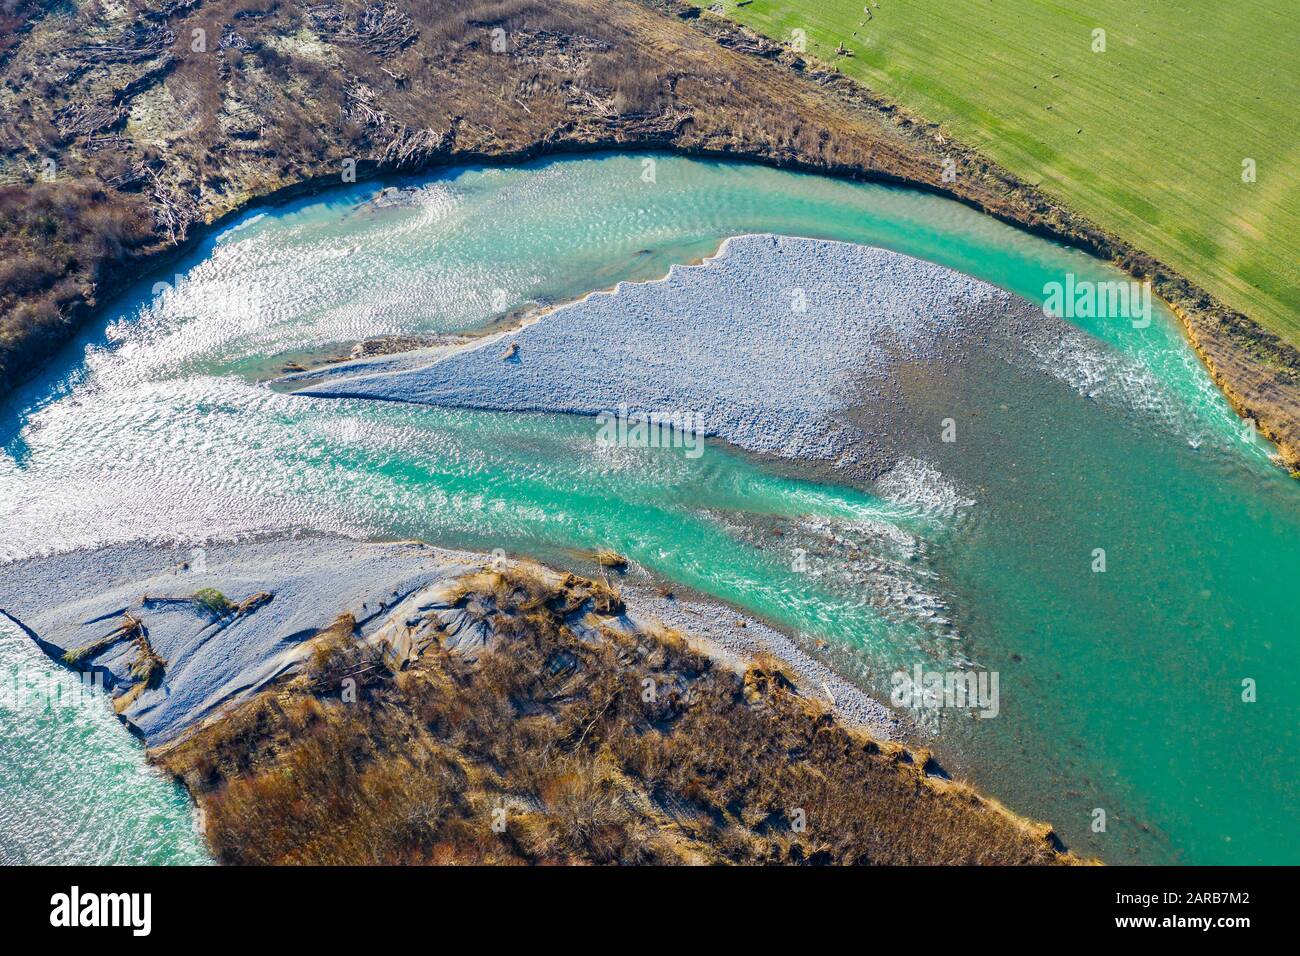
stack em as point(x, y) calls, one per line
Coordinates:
point(1146, 138)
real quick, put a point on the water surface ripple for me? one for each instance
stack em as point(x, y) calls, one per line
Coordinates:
point(1120, 690)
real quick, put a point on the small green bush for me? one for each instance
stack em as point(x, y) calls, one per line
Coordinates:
point(212, 601)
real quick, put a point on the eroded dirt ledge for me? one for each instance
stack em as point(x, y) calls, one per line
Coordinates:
point(121, 140)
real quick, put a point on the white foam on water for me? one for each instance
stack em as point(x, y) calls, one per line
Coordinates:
point(921, 488)
point(1099, 372)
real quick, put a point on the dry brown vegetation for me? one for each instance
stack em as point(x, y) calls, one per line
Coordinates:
point(150, 137)
point(57, 241)
point(147, 666)
point(153, 138)
point(130, 628)
point(616, 748)
point(16, 17)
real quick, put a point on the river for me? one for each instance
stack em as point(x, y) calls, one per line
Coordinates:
point(1121, 691)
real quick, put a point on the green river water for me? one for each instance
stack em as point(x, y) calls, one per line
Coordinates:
point(1119, 690)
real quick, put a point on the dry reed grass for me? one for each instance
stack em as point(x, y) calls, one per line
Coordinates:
point(626, 748)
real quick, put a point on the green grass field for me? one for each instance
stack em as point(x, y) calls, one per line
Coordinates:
point(1147, 138)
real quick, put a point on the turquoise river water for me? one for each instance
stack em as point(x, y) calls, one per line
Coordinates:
point(1120, 691)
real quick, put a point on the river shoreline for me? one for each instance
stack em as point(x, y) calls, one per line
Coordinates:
point(760, 658)
point(1228, 344)
point(1255, 369)
point(361, 578)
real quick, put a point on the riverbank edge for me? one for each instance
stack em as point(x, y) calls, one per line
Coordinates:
point(729, 634)
point(1256, 370)
point(1201, 315)
point(770, 659)
point(733, 640)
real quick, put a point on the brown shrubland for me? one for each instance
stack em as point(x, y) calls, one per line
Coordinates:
point(618, 748)
point(163, 139)
point(170, 139)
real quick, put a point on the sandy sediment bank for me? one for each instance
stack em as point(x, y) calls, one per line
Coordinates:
point(400, 695)
point(737, 640)
point(687, 67)
point(785, 347)
point(765, 345)
point(213, 655)
point(294, 588)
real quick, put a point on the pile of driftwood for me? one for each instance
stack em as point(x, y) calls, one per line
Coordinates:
point(82, 119)
point(594, 102)
point(412, 148)
point(359, 103)
point(382, 29)
point(130, 178)
point(163, 9)
point(230, 40)
point(408, 147)
point(556, 52)
point(137, 44)
point(172, 213)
